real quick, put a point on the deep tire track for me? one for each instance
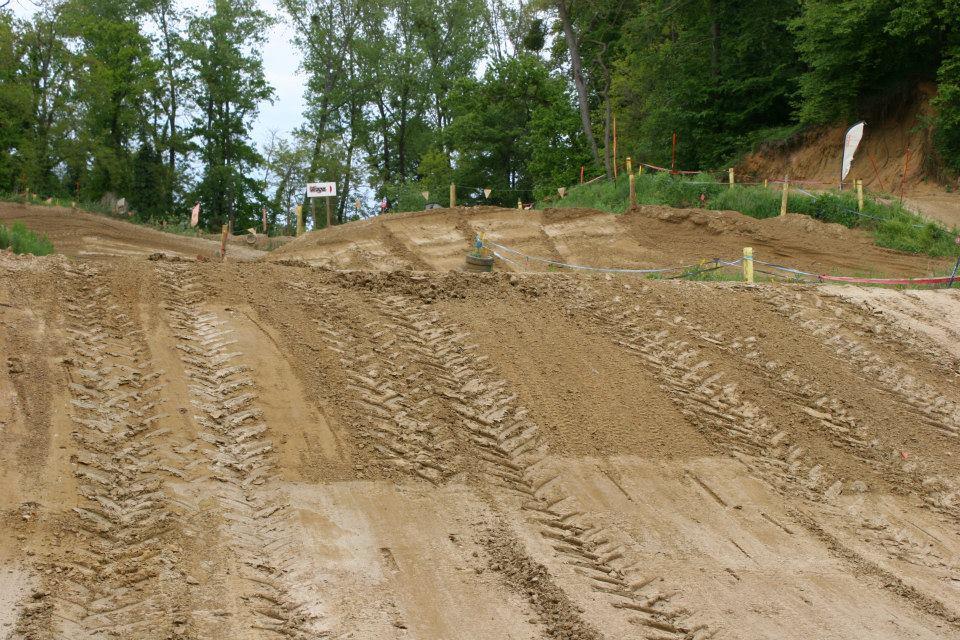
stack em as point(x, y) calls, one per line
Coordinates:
point(695, 385)
point(120, 583)
point(240, 456)
point(511, 449)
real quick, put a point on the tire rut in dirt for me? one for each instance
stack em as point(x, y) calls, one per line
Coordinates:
point(240, 457)
point(840, 424)
point(390, 403)
point(120, 582)
point(931, 405)
point(508, 443)
point(737, 425)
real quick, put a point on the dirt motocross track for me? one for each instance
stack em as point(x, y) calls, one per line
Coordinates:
point(279, 450)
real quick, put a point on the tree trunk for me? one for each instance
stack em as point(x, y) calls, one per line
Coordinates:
point(576, 68)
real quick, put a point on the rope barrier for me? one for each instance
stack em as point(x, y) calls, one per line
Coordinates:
point(718, 264)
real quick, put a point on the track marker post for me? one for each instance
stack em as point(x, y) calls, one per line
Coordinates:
point(300, 228)
point(764, 183)
point(453, 195)
point(629, 165)
point(519, 204)
point(633, 190)
point(730, 172)
point(748, 264)
point(786, 194)
point(223, 241)
point(859, 195)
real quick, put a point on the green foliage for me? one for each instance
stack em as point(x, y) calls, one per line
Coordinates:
point(892, 226)
point(19, 239)
point(224, 50)
point(514, 131)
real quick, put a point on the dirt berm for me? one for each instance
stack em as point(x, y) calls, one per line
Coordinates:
point(648, 237)
point(254, 450)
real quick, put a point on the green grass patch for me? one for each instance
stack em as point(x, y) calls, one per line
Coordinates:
point(892, 226)
point(19, 239)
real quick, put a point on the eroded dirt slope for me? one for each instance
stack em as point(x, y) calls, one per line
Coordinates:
point(195, 450)
point(88, 235)
point(649, 237)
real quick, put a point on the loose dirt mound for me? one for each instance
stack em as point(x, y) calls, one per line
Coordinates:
point(77, 233)
point(259, 450)
point(648, 237)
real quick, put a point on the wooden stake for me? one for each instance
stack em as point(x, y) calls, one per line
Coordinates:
point(633, 191)
point(786, 195)
point(748, 264)
point(264, 220)
point(329, 213)
point(581, 173)
point(629, 165)
point(764, 183)
point(313, 213)
point(300, 227)
point(859, 195)
point(223, 241)
point(673, 154)
point(730, 172)
point(453, 195)
point(519, 204)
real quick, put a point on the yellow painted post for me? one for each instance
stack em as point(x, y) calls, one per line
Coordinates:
point(730, 171)
point(640, 170)
point(300, 228)
point(633, 191)
point(519, 204)
point(859, 195)
point(783, 199)
point(764, 183)
point(748, 264)
point(629, 165)
point(453, 195)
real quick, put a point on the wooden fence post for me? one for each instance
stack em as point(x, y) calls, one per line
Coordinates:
point(730, 172)
point(223, 241)
point(329, 213)
point(785, 196)
point(629, 165)
point(300, 227)
point(748, 264)
point(519, 203)
point(633, 191)
point(313, 213)
point(859, 195)
point(453, 195)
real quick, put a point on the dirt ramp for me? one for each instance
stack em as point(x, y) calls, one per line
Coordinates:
point(88, 235)
point(644, 238)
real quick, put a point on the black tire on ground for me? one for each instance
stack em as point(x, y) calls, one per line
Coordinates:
point(478, 261)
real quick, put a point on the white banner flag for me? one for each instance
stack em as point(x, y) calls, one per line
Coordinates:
point(195, 215)
point(850, 143)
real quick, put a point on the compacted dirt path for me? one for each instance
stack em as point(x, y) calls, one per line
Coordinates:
point(269, 450)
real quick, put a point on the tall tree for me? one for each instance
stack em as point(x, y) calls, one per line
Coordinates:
point(228, 84)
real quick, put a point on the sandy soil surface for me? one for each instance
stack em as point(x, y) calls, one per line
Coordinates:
point(277, 450)
point(81, 234)
point(648, 237)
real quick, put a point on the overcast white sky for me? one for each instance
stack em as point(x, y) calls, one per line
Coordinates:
point(280, 60)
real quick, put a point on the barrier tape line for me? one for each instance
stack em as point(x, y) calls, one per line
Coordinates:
point(700, 266)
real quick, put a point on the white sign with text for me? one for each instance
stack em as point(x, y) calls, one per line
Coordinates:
point(321, 189)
